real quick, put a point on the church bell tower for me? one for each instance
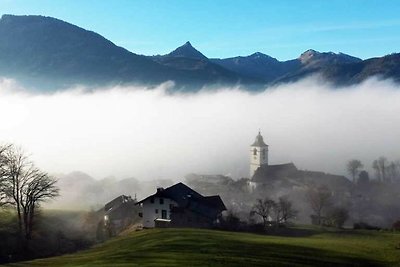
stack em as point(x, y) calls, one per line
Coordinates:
point(258, 154)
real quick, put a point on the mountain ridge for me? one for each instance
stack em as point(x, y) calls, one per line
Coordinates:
point(45, 52)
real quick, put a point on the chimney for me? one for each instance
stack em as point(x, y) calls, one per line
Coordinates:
point(160, 189)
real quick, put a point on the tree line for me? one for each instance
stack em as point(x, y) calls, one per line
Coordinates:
point(384, 170)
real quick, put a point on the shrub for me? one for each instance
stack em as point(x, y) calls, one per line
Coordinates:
point(365, 226)
point(230, 222)
point(396, 225)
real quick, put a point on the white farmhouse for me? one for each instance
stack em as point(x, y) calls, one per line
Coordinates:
point(180, 206)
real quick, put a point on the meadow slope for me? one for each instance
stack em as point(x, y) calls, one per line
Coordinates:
point(194, 247)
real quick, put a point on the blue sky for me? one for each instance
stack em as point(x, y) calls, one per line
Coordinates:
point(223, 28)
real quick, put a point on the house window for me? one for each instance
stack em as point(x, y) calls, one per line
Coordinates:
point(255, 152)
point(163, 214)
point(161, 201)
point(263, 152)
point(152, 200)
point(156, 211)
point(140, 214)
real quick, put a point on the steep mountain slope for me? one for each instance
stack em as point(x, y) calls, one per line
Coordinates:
point(349, 70)
point(387, 67)
point(36, 48)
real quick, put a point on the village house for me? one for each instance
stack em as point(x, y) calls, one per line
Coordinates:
point(119, 213)
point(180, 206)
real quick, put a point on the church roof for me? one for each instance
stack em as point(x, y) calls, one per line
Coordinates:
point(259, 141)
point(272, 172)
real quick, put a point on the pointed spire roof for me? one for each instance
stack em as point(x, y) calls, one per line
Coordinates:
point(259, 140)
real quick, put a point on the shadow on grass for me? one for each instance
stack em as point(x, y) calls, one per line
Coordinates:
point(227, 250)
point(291, 232)
point(185, 247)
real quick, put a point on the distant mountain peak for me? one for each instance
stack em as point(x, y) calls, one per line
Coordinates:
point(308, 55)
point(188, 51)
point(259, 55)
point(313, 56)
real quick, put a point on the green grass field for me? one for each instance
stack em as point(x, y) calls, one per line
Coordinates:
point(193, 247)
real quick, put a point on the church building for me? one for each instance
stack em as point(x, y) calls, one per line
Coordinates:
point(259, 166)
point(261, 172)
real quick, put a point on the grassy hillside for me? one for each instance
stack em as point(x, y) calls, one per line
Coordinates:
point(190, 247)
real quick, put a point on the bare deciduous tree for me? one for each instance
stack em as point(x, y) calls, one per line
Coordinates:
point(4, 198)
point(353, 168)
point(37, 187)
point(25, 186)
point(274, 212)
point(337, 216)
point(393, 171)
point(287, 211)
point(380, 166)
point(319, 199)
point(264, 209)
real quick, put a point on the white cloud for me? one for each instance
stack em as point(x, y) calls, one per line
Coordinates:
point(150, 134)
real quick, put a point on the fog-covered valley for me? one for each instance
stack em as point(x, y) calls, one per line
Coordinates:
point(129, 140)
point(151, 134)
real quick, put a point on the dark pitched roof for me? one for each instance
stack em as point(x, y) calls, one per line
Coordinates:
point(272, 172)
point(331, 180)
point(117, 201)
point(214, 201)
point(179, 192)
point(186, 197)
point(207, 206)
point(259, 141)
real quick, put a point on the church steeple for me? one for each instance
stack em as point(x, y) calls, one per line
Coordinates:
point(258, 154)
point(259, 140)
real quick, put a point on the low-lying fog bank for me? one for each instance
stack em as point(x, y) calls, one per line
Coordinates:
point(150, 134)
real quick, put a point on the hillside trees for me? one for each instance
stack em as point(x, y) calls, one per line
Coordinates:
point(386, 171)
point(274, 212)
point(286, 210)
point(263, 208)
point(337, 216)
point(319, 199)
point(24, 187)
point(326, 210)
point(380, 166)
